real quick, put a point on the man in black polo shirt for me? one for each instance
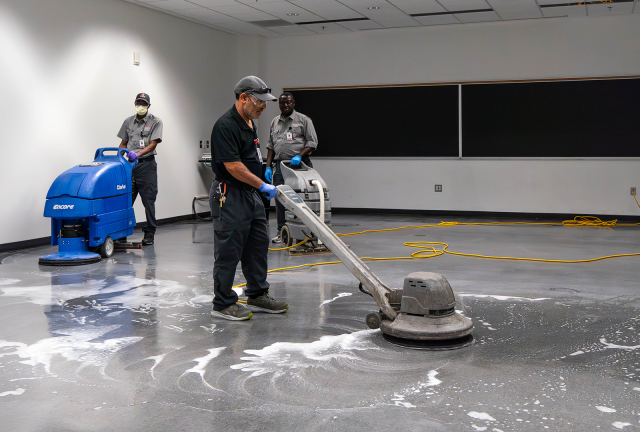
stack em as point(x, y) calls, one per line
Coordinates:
point(239, 220)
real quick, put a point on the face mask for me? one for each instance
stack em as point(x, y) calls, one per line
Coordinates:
point(142, 110)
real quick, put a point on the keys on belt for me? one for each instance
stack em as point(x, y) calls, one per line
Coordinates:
point(221, 193)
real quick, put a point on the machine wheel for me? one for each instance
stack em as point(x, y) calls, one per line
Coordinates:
point(106, 248)
point(373, 320)
point(285, 237)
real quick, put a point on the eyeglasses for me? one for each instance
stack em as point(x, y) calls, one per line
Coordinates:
point(257, 101)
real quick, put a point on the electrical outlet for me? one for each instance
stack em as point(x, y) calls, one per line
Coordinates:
point(633, 191)
point(200, 144)
point(207, 144)
point(438, 188)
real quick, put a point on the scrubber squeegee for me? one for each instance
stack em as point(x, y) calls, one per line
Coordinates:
point(421, 315)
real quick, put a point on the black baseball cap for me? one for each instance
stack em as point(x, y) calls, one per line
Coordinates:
point(143, 97)
point(255, 86)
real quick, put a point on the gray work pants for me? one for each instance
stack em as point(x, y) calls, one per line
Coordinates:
point(145, 182)
point(240, 235)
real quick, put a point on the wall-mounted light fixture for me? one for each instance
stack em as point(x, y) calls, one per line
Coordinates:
point(136, 59)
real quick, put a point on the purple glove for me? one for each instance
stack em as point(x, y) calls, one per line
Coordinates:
point(132, 156)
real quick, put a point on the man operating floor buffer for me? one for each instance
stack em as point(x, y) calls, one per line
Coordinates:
point(419, 315)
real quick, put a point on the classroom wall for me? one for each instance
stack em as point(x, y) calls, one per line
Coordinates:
point(533, 49)
point(67, 82)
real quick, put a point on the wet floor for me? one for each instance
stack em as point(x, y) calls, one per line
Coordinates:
point(128, 344)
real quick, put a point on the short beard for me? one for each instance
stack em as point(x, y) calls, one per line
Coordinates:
point(248, 114)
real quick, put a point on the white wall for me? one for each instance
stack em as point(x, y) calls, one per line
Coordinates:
point(535, 49)
point(67, 82)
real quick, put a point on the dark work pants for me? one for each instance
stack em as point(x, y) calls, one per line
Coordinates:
point(145, 182)
point(240, 235)
point(278, 180)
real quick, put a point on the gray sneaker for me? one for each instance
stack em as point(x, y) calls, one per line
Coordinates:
point(235, 312)
point(267, 304)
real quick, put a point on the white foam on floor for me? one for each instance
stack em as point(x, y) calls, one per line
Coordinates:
point(335, 298)
point(156, 361)
point(284, 356)
point(16, 392)
point(620, 425)
point(7, 281)
point(73, 345)
point(398, 400)
point(503, 298)
point(605, 409)
point(479, 428)
point(480, 415)
point(433, 381)
point(577, 353)
point(614, 346)
point(204, 361)
point(130, 292)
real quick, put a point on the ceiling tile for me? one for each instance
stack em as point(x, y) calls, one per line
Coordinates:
point(403, 22)
point(259, 2)
point(570, 11)
point(326, 28)
point(171, 4)
point(291, 30)
point(253, 16)
point(478, 17)
point(519, 15)
point(460, 5)
point(237, 8)
point(418, 6)
point(437, 20)
point(206, 15)
point(214, 3)
point(309, 4)
point(610, 9)
point(637, 8)
point(336, 13)
point(361, 25)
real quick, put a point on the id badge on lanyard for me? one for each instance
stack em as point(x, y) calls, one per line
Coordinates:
point(257, 143)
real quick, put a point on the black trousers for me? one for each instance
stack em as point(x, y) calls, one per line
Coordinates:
point(278, 180)
point(145, 182)
point(240, 235)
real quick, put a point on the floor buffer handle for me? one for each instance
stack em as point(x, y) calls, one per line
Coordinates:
point(292, 202)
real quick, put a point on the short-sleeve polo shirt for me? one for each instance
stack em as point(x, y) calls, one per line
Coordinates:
point(232, 140)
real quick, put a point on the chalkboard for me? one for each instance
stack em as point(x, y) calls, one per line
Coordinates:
point(383, 121)
point(595, 118)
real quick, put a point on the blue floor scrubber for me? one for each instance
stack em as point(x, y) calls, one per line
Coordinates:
point(90, 207)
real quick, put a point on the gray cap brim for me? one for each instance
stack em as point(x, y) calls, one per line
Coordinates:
point(266, 97)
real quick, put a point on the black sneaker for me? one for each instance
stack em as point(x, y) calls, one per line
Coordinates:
point(235, 312)
point(276, 239)
point(267, 304)
point(148, 239)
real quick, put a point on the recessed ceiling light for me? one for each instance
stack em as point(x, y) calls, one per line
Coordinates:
point(292, 14)
point(373, 7)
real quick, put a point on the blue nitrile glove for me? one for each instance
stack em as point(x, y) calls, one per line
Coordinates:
point(296, 160)
point(132, 156)
point(268, 174)
point(269, 191)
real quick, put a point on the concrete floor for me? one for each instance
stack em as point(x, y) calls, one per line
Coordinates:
point(128, 344)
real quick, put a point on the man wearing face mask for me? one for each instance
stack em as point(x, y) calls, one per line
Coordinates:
point(239, 219)
point(291, 137)
point(140, 134)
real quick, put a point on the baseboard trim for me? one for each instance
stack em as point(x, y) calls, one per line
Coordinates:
point(481, 214)
point(42, 241)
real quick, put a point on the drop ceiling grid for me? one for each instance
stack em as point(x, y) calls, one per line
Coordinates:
point(236, 16)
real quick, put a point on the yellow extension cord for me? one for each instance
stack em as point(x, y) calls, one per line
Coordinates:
point(431, 252)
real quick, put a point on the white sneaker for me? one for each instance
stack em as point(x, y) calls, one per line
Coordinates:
point(276, 239)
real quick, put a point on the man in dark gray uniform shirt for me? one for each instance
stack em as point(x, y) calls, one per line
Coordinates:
point(239, 219)
point(140, 134)
point(291, 137)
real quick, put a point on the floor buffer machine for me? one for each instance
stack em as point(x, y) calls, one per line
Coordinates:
point(420, 315)
point(90, 207)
